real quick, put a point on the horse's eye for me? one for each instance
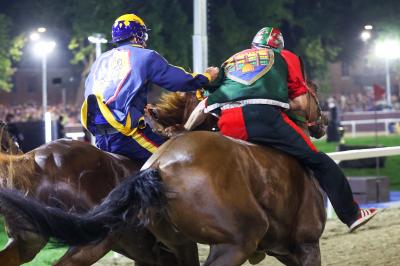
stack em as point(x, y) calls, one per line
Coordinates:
point(153, 113)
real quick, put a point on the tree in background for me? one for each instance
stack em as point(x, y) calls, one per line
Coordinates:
point(170, 30)
point(10, 51)
point(320, 31)
point(233, 24)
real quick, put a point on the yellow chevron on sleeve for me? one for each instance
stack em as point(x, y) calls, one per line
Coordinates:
point(142, 141)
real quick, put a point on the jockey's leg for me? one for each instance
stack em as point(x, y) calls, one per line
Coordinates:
point(269, 125)
point(139, 147)
point(280, 132)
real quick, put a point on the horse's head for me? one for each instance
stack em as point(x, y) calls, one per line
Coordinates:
point(172, 112)
point(7, 143)
point(316, 120)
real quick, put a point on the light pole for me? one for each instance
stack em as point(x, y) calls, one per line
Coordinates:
point(97, 39)
point(388, 49)
point(200, 40)
point(43, 49)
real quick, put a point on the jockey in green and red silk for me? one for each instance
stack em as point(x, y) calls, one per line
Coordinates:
point(117, 86)
point(253, 90)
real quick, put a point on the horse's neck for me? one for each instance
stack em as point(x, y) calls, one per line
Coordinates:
point(15, 170)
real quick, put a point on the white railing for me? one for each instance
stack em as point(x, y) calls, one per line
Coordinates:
point(364, 153)
point(354, 123)
point(75, 135)
point(360, 154)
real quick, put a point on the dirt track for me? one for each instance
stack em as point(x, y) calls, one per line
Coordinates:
point(377, 243)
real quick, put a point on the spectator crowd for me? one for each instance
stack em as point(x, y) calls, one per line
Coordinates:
point(33, 112)
point(363, 102)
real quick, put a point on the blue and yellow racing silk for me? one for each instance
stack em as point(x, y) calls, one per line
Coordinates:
point(119, 82)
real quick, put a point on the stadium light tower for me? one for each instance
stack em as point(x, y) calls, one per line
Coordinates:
point(388, 49)
point(366, 33)
point(97, 39)
point(43, 49)
point(200, 42)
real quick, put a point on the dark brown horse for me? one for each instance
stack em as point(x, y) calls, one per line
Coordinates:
point(72, 175)
point(241, 198)
point(76, 176)
point(59, 173)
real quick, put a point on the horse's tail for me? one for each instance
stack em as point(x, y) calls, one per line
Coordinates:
point(129, 202)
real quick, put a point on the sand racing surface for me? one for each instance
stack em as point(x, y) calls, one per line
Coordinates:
point(377, 243)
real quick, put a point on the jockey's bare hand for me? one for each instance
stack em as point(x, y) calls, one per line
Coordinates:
point(213, 72)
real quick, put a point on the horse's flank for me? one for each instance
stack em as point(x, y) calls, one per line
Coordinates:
point(15, 170)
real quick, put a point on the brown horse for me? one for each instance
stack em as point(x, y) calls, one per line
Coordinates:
point(241, 198)
point(76, 176)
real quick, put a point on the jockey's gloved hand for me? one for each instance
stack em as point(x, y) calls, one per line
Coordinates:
point(213, 72)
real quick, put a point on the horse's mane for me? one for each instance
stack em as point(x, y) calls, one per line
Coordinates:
point(15, 170)
point(170, 108)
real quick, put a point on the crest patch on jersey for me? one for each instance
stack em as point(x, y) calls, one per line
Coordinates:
point(248, 66)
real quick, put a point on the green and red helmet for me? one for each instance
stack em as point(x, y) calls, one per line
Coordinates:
point(268, 37)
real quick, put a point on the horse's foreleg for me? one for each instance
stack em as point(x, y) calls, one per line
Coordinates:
point(309, 254)
point(21, 250)
point(86, 255)
point(228, 255)
point(9, 256)
point(187, 254)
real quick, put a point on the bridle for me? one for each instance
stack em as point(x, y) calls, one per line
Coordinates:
point(312, 95)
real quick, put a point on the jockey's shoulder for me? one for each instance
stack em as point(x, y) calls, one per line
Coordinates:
point(135, 47)
point(244, 53)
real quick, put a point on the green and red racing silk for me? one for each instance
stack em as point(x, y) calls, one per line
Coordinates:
point(258, 76)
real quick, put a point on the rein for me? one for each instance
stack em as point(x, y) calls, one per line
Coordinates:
point(312, 94)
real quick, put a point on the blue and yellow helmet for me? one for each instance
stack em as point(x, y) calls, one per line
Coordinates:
point(127, 26)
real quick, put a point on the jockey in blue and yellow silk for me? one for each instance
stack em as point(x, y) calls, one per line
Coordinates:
point(117, 86)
